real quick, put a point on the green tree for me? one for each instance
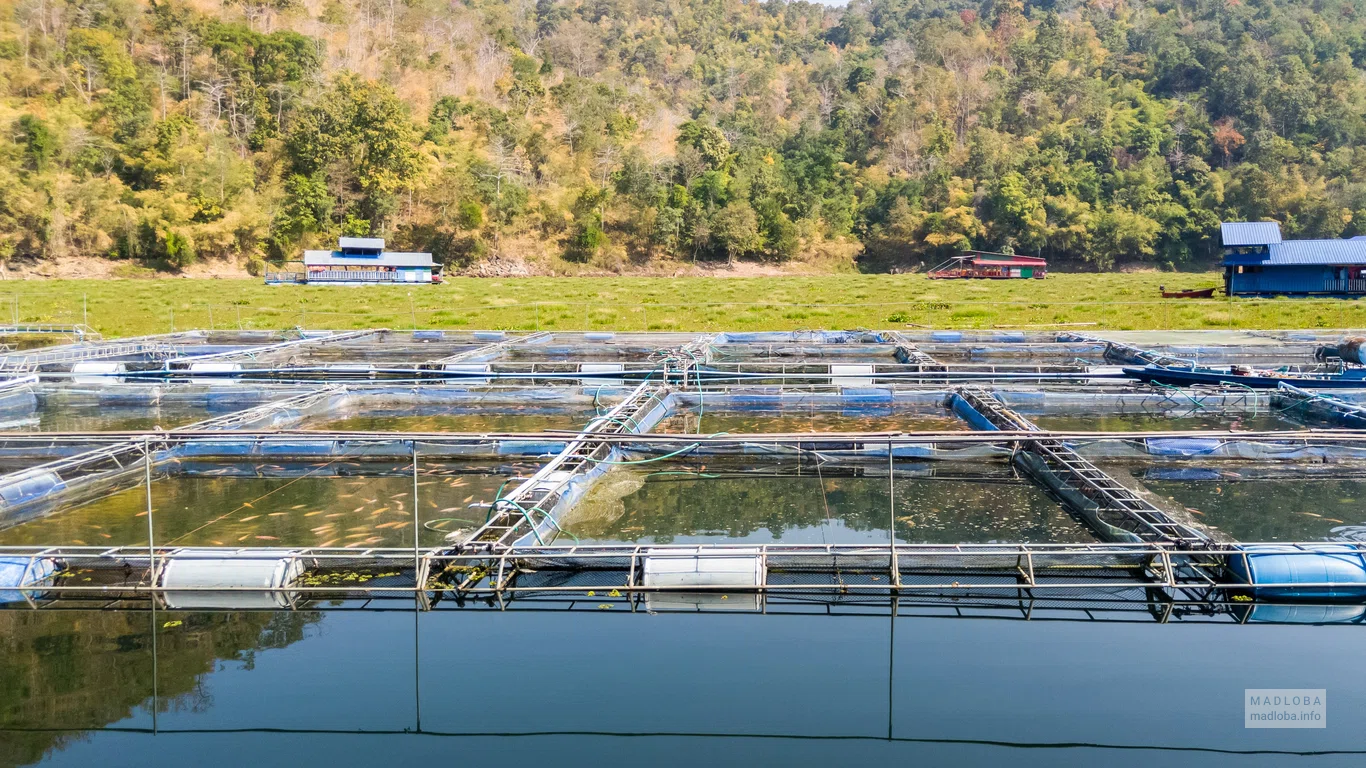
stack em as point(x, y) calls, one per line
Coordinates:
point(735, 230)
point(358, 134)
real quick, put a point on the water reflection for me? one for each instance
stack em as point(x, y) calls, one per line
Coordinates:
point(81, 682)
point(349, 511)
point(811, 420)
point(1291, 509)
point(717, 505)
point(1156, 422)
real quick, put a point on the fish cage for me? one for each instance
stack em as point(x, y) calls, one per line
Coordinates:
point(695, 472)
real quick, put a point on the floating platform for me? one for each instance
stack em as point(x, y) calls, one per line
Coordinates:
point(278, 470)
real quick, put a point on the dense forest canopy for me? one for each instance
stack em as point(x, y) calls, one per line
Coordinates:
point(618, 132)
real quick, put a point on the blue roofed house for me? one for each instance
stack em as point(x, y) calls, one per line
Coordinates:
point(362, 261)
point(1257, 262)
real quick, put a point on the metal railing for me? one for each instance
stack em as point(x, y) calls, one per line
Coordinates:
point(1078, 571)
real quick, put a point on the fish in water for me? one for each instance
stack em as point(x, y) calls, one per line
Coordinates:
point(298, 506)
point(249, 518)
point(279, 514)
point(328, 543)
point(267, 538)
point(379, 511)
point(314, 512)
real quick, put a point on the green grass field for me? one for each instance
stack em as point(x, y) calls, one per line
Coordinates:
point(1108, 301)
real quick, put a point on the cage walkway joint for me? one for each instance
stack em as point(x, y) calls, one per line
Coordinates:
point(1115, 511)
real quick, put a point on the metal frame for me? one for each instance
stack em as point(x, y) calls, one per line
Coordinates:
point(501, 563)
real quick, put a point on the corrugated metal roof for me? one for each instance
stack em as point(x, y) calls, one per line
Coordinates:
point(387, 259)
point(1003, 260)
point(361, 242)
point(1249, 232)
point(1318, 252)
point(1306, 252)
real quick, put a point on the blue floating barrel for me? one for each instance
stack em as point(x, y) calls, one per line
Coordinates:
point(489, 335)
point(949, 337)
point(1009, 337)
point(1329, 571)
point(1282, 613)
point(428, 335)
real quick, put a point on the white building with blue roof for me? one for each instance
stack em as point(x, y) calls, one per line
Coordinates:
point(1259, 262)
point(362, 261)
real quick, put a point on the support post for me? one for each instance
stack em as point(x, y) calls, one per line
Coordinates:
point(891, 514)
point(151, 540)
point(417, 557)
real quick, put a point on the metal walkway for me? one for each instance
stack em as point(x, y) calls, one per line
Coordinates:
point(256, 353)
point(1126, 354)
point(908, 353)
point(486, 352)
point(78, 330)
point(1065, 571)
point(528, 512)
point(25, 362)
point(1069, 475)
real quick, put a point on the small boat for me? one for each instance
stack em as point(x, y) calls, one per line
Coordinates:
point(1189, 293)
point(1351, 378)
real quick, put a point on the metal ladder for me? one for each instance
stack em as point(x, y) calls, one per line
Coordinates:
point(527, 507)
point(907, 352)
point(1117, 505)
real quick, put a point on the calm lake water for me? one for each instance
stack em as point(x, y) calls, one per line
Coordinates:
point(105, 418)
point(279, 511)
point(1143, 422)
point(484, 421)
point(608, 687)
point(682, 507)
point(796, 420)
point(1304, 509)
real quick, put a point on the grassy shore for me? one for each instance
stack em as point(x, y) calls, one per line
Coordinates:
point(1077, 301)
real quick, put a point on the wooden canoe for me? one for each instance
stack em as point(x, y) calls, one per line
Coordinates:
point(1193, 293)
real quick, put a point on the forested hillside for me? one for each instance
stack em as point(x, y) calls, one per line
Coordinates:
point(619, 133)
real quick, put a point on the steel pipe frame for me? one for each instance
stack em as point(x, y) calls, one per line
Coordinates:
point(1170, 568)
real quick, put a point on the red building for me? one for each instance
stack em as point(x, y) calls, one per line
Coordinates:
point(991, 266)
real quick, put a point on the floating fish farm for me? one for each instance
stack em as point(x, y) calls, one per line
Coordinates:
point(1186, 475)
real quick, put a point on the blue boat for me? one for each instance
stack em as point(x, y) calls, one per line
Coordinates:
point(1351, 378)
